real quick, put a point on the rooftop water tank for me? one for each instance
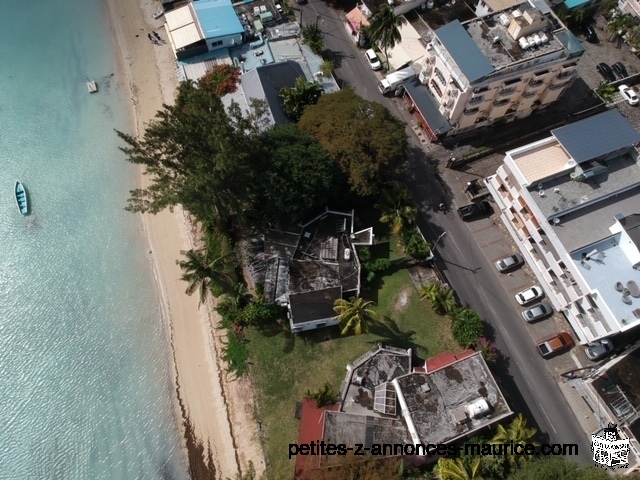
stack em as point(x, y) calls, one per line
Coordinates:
point(504, 19)
point(523, 43)
point(478, 408)
point(537, 39)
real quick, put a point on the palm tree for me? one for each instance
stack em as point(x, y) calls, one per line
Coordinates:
point(442, 301)
point(516, 432)
point(383, 28)
point(456, 469)
point(620, 24)
point(605, 90)
point(204, 275)
point(397, 209)
point(354, 314)
point(296, 98)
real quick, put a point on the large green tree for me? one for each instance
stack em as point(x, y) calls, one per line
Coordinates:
point(384, 28)
point(296, 98)
point(515, 432)
point(204, 274)
point(195, 156)
point(296, 176)
point(354, 314)
point(367, 141)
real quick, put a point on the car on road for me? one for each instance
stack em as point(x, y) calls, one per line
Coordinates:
point(628, 94)
point(537, 312)
point(529, 295)
point(590, 34)
point(509, 263)
point(606, 72)
point(555, 344)
point(374, 61)
point(475, 210)
point(599, 349)
point(620, 69)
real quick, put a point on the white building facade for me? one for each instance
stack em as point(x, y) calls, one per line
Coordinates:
point(500, 67)
point(571, 202)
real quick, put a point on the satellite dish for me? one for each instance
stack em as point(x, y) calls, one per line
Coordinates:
point(429, 4)
point(556, 221)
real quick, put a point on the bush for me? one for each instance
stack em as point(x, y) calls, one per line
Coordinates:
point(312, 36)
point(256, 312)
point(467, 327)
point(488, 349)
point(417, 247)
point(379, 265)
point(236, 354)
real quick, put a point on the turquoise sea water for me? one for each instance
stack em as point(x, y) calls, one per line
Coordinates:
point(85, 387)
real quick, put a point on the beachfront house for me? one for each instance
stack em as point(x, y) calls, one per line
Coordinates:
point(308, 270)
point(203, 26)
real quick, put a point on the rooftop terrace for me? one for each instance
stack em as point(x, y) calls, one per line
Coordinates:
point(494, 40)
point(545, 160)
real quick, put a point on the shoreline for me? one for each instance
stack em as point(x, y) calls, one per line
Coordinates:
point(214, 415)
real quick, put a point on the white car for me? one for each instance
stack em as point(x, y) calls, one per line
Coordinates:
point(529, 295)
point(628, 94)
point(374, 61)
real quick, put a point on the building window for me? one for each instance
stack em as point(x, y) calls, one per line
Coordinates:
point(541, 72)
point(440, 76)
point(528, 94)
point(535, 83)
point(512, 81)
point(507, 91)
point(217, 44)
point(480, 89)
point(436, 88)
point(471, 111)
point(499, 103)
point(476, 98)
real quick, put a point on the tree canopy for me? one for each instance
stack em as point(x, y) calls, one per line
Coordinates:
point(224, 169)
point(384, 28)
point(296, 98)
point(366, 140)
point(558, 468)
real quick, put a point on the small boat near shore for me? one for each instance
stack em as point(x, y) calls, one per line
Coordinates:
point(21, 198)
point(92, 86)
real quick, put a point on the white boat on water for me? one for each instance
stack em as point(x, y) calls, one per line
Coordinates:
point(21, 198)
point(92, 86)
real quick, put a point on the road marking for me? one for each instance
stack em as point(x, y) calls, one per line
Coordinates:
point(549, 422)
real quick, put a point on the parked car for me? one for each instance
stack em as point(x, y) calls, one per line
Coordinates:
point(555, 344)
point(510, 263)
point(606, 72)
point(374, 61)
point(628, 94)
point(529, 295)
point(620, 69)
point(475, 210)
point(590, 34)
point(599, 349)
point(537, 312)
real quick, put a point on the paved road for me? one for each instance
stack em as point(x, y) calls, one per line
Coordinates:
point(525, 378)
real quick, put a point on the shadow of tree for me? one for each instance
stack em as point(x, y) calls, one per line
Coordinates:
point(391, 334)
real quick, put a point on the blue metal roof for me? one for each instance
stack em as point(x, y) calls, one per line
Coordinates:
point(464, 51)
point(217, 18)
point(575, 3)
point(597, 136)
point(427, 105)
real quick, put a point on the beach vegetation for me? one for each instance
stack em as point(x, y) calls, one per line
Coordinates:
point(355, 315)
point(367, 141)
point(206, 274)
point(296, 98)
point(235, 353)
point(312, 36)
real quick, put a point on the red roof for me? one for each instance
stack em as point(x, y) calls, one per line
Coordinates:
point(445, 359)
point(311, 426)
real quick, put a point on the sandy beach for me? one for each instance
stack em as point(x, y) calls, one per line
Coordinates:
point(219, 411)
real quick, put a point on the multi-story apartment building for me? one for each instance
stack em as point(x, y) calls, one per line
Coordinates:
point(571, 202)
point(499, 67)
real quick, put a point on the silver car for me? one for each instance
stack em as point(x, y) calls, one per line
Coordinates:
point(537, 312)
point(599, 349)
point(509, 263)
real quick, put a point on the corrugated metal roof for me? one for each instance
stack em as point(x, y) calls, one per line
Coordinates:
point(464, 51)
point(184, 36)
point(597, 136)
point(179, 17)
point(427, 106)
point(217, 18)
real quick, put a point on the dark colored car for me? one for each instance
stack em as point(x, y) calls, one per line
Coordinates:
point(475, 210)
point(555, 344)
point(590, 34)
point(606, 72)
point(599, 349)
point(618, 67)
